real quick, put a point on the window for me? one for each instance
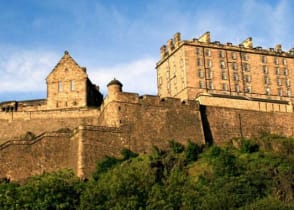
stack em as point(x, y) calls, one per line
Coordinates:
point(247, 78)
point(198, 61)
point(198, 51)
point(267, 91)
point(277, 70)
point(263, 59)
point(221, 54)
point(72, 85)
point(209, 74)
point(59, 86)
point(168, 86)
point(246, 67)
point(234, 55)
point(167, 75)
point(280, 91)
point(225, 86)
point(210, 85)
point(288, 92)
point(266, 80)
point(245, 56)
point(200, 73)
point(279, 82)
point(222, 64)
point(224, 75)
point(276, 61)
point(248, 89)
point(285, 71)
point(207, 52)
point(234, 66)
point(264, 69)
point(287, 82)
point(236, 77)
point(209, 63)
point(237, 89)
point(284, 61)
point(201, 84)
point(159, 80)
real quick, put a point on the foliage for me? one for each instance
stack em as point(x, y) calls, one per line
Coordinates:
point(127, 154)
point(192, 151)
point(176, 147)
point(248, 146)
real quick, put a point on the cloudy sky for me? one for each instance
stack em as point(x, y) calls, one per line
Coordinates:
point(121, 38)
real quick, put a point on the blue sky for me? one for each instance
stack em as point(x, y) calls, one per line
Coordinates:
point(121, 38)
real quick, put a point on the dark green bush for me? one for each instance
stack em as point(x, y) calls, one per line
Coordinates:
point(176, 147)
point(192, 151)
point(248, 146)
point(127, 154)
point(104, 165)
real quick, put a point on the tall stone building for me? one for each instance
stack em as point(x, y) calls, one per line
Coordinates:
point(189, 69)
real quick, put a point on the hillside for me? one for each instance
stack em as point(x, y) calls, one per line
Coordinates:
point(246, 174)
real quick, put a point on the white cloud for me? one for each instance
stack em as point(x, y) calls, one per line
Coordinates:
point(136, 76)
point(25, 70)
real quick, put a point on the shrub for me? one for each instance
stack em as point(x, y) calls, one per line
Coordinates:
point(104, 165)
point(127, 154)
point(176, 147)
point(248, 146)
point(192, 151)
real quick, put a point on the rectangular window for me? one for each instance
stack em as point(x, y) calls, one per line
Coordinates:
point(159, 80)
point(237, 88)
point(248, 89)
point(264, 69)
point(225, 86)
point(224, 75)
point(198, 51)
point(167, 75)
point(209, 74)
point(288, 83)
point(200, 73)
point(234, 66)
point(245, 56)
point(288, 92)
point(246, 66)
point(266, 80)
point(222, 64)
point(247, 78)
point(221, 54)
point(207, 52)
point(236, 77)
point(284, 61)
point(210, 86)
point(285, 71)
point(198, 61)
point(267, 91)
point(279, 82)
point(208, 63)
point(59, 86)
point(263, 59)
point(72, 85)
point(277, 70)
point(201, 84)
point(276, 61)
point(234, 55)
point(280, 92)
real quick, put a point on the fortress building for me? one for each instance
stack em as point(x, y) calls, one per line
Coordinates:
point(208, 93)
point(200, 68)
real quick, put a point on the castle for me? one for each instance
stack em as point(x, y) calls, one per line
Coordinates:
point(207, 93)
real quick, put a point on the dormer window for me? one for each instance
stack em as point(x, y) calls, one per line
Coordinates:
point(59, 86)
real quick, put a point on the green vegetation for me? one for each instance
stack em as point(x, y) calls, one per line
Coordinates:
point(257, 174)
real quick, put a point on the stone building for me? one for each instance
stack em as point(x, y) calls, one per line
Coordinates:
point(188, 69)
point(68, 86)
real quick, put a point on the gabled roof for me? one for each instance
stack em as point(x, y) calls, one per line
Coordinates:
point(65, 58)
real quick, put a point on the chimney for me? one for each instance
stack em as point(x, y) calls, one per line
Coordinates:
point(278, 48)
point(205, 37)
point(247, 43)
point(162, 51)
point(170, 46)
point(177, 39)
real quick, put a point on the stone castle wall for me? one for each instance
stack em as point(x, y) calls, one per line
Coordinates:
point(222, 124)
point(15, 124)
